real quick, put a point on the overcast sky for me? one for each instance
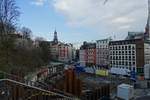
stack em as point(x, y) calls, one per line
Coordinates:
point(83, 20)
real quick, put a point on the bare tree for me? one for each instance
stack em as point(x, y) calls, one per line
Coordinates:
point(38, 39)
point(26, 32)
point(9, 14)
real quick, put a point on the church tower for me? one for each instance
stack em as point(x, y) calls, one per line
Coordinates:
point(55, 40)
point(147, 28)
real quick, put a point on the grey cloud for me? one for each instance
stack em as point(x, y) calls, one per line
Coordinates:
point(115, 14)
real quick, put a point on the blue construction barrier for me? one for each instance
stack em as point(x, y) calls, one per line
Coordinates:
point(79, 69)
point(133, 76)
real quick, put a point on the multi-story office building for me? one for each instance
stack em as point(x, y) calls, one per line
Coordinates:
point(102, 53)
point(129, 54)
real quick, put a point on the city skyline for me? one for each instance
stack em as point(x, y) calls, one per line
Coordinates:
point(75, 49)
point(89, 21)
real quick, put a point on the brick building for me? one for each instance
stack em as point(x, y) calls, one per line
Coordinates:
point(88, 54)
point(102, 52)
point(61, 51)
point(65, 52)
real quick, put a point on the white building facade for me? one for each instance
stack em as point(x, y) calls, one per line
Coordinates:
point(127, 55)
point(147, 53)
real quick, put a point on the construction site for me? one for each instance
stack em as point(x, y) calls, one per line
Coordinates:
point(58, 83)
point(85, 86)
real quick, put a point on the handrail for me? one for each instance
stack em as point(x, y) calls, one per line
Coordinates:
point(50, 92)
point(32, 84)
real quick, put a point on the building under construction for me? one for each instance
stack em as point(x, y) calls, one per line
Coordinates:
point(79, 86)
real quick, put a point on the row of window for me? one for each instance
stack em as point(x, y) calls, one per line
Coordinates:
point(122, 57)
point(91, 52)
point(102, 46)
point(102, 53)
point(129, 47)
point(63, 47)
point(126, 63)
point(122, 52)
point(125, 67)
point(102, 42)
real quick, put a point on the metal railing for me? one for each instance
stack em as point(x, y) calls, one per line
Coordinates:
point(43, 88)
